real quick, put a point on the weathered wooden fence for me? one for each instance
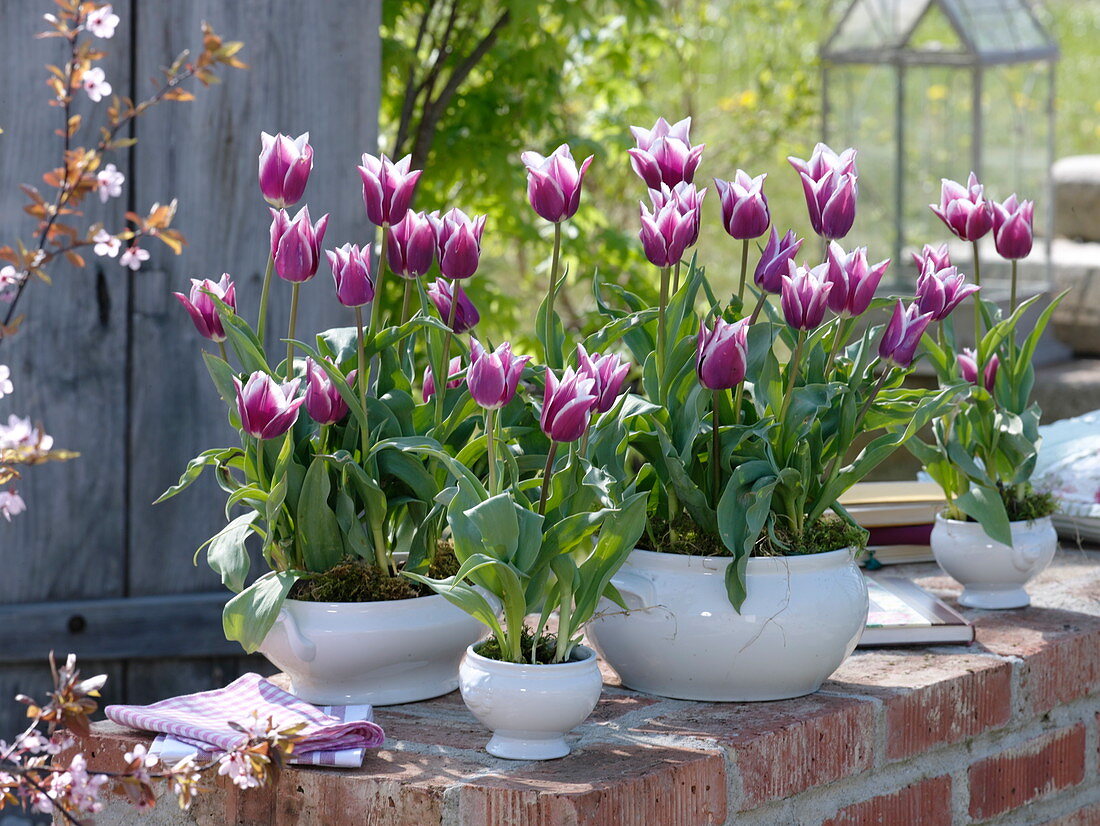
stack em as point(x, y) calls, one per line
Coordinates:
point(108, 360)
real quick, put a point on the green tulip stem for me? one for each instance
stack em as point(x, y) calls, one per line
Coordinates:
point(759, 306)
point(261, 322)
point(584, 443)
point(792, 375)
point(744, 269)
point(221, 349)
point(676, 279)
point(977, 310)
point(738, 394)
point(1012, 291)
point(661, 332)
point(715, 449)
point(546, 471)
point(490, 449)
point(260, 462)
point(874, 394)
point(376, 305)
point(406, 302)
point(551, 297)
point(361, 379)
point(843, 328)
point(290, 331)
point(445, 367)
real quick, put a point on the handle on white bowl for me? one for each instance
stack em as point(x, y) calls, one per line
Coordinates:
point(636, 585)
point(304, 649)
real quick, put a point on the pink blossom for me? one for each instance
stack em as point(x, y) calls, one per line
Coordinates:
point(95, 84)
point(106, 244)
point(133, 257)
point(11, 504)
point(238, 767)
point(21, 433)
point(6, 386)
point(110, 182)
point(102, 22)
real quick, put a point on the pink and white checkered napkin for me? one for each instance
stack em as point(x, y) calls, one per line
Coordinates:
point(202, 720)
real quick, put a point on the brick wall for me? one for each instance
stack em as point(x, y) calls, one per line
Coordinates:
point(1003, 732)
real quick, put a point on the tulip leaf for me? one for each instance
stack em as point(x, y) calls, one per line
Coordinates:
point(318, 531)
point(226, 552)
point(248, 617)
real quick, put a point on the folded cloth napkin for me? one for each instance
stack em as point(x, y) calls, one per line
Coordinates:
point(202, 719)
point(172, 749)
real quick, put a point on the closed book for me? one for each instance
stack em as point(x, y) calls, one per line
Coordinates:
point(893, 504)
point(878, 555)
point(902, 613)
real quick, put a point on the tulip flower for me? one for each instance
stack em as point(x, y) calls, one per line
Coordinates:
point(285, 164)
point(387, 188)
point(493, 377)
point(775, 260)
point(968, 367)
point(567, 405)
point(664, 154)
point(202, 309)
point(964, 209)
point(721, 354)
point(554, 183)
point(351, 272)
point(744, 208)
point(854, 280)
point(688, 200)
point(937, 255)
point(903, 334)
point(805, 296)
point(411, 247)
point(829, 184)
point(940, 291)
point(454, 378)
point(323, 401)
point(444, 294)
point(458, 242)
point(666, 232)
point(607, 371)
point(267, 409)
point(1012, 228)
point(296, 245)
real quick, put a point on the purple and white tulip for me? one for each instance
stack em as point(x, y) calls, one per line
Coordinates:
point(411, 247)
point(494, 376)
point(387, 188)
point(903, 334)
point(775, 261)
point(296, 245)
point(267, 409)
point(744, 207)
point(664, 154)
point(607, 371)
point(457, 242)
point(854, 280)
point(721, 354)
point(567, 405)
point(201, 307)
point(964, 209)
point(285, 164)
point(351, 271)
point(554, 183)
point(805, 295)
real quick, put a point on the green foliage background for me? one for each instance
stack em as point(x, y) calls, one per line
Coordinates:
point(583, 71)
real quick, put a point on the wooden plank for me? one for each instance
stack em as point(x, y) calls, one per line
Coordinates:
point(313, 67)
point(177, 625)
point(68, 364)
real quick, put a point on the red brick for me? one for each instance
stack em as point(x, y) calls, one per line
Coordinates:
point(927, 803)
point(1049, 763)
point(1060, 652)
point(782, 748)
point(603, 784)
point(930, 699)
point(1088, 816)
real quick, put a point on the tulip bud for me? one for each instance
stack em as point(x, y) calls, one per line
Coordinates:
point(267, 409)
point(829, 184)
point(775, 260)
point(607, 371)
point(411, 247)
point(939, 256)
point(1012, 228)
point(744, 208)
point(387, 188)
point(443, 294)
point(323, 401)
point(667, 231)
point(494, 377)
point(903, 334)
point(454, 378)
point(457, 242)
point(854, 280)
point(567, 405)
point(296, 245)
point(285, 165)
point(203, 312)
point(664, 154)
point(351, 272)
point(939, 292)
point(554, 183)
point(964, 209)
point(805, 295)
point(968, 367)
point(721, 354)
